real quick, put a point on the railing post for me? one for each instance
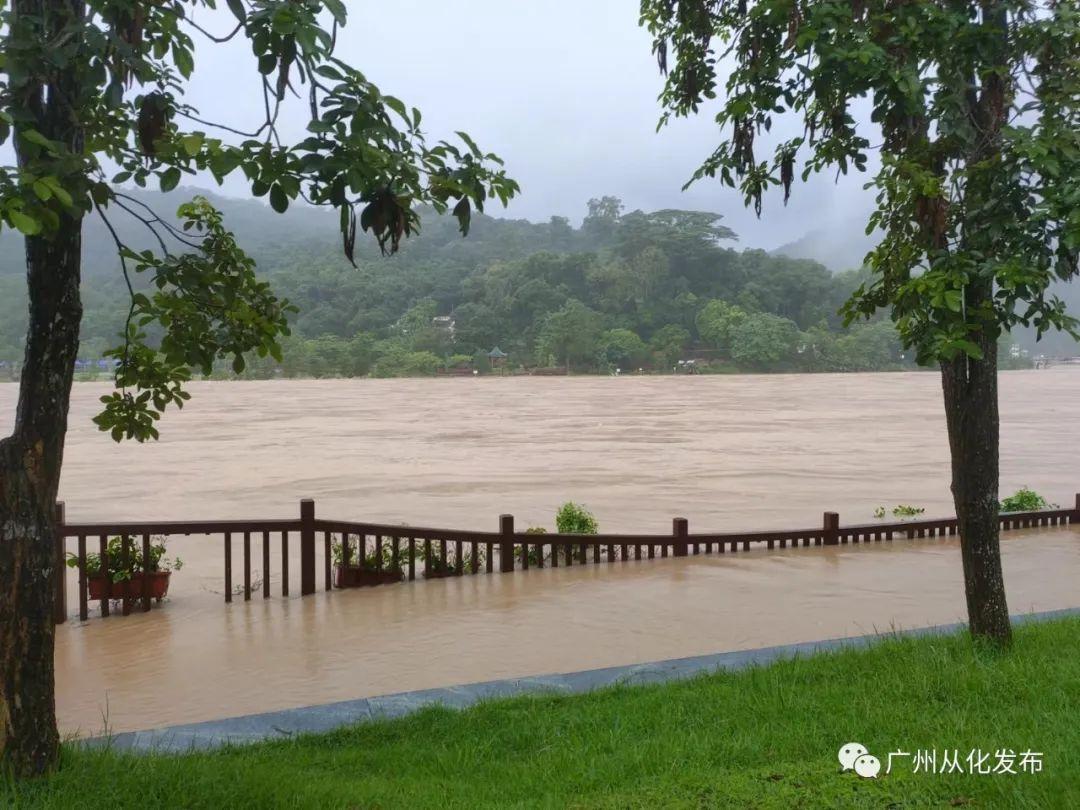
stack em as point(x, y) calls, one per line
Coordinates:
point(832, 528)
point(506, 543)
point(60, 566)
point(1076, 511)
point(680, 528)
point(307, 546)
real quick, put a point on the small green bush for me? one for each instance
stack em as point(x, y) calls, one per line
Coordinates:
point(573, 518)
point(118, 571)
point(1025, 500)
point(901, 511)
point(385, 558)
point(904, 510)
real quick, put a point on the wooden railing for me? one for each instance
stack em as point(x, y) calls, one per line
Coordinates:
point(416, 551)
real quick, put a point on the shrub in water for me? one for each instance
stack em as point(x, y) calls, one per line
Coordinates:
point(1025, 500)
point(573, 518)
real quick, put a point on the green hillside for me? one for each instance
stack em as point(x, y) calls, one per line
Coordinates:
point(626, 289)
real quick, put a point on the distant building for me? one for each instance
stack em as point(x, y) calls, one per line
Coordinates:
point(497, 357)
point(444, 322)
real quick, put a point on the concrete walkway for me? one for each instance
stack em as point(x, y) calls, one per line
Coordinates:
point(314, 719)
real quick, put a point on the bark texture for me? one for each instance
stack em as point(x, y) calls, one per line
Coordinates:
point(971, 412)
point(30, 461)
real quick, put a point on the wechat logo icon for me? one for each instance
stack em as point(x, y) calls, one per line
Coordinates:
point(853, 756)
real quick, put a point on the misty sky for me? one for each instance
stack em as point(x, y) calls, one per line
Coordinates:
point(565, 91)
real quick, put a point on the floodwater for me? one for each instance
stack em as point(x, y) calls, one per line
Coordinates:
point(733, 452)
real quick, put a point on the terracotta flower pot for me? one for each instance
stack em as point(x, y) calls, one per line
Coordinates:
point(355, 577)
point(101, 588)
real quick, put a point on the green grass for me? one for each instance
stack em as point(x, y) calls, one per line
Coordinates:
point(766, 737)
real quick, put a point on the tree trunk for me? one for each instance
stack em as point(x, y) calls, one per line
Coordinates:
point(971, 412)
point(30, 459)
point(969, 384)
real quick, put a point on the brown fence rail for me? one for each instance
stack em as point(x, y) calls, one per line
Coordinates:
point(370, 553)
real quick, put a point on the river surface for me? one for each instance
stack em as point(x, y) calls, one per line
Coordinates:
point(726, 452)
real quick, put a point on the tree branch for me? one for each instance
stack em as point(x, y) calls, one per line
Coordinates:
point(211, 37)
point(120, 248)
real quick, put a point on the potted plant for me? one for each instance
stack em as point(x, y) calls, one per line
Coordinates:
point(126, 581)
point(363, 573)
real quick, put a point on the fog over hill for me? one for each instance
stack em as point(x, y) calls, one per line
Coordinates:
point(840, 249)
point(846, 247)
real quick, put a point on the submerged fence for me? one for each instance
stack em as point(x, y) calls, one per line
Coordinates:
point(370, 553)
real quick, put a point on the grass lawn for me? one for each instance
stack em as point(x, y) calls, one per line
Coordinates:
point(766, 737)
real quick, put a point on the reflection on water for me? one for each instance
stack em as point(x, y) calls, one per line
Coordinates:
point(725, 452)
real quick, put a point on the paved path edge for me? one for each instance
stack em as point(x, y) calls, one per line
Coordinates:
point(290, 723)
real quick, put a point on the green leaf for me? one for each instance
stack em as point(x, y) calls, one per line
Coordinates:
point(192, 143)
point(328, 72)
point(470, 143)
point(114, 94)
point(238, 10)
point(397, 106)
point(100, 193)
point(463, 212)
point(42, 190)
point(279, 201)
point(170, 178)
point(58, 190)
point(267, 63)
point(33, 136)
point(337, 8)
point(27, 225)
point(183, 60)
point(970, 349)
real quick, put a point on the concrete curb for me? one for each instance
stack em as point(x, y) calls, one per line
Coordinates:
point(290, 723)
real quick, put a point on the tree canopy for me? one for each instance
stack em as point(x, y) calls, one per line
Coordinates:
point(121, 69)
point(976, 119)
point(962, 199)
point(498, 287)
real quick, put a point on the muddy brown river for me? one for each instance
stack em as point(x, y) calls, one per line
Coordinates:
point(728, 452)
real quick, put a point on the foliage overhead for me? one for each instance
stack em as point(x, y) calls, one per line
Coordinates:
point(364, 155)
point(977, 217)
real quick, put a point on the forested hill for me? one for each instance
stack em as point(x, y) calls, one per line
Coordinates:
point(626, 289)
